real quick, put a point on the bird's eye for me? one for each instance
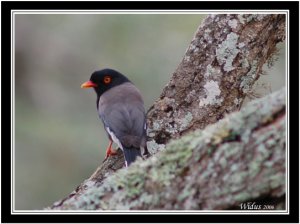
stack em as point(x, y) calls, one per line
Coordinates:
point(107, 79)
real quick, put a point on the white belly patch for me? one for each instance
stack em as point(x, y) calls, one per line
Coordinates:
point(114, 138)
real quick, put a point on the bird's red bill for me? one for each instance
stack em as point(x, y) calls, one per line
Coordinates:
point(88, 84)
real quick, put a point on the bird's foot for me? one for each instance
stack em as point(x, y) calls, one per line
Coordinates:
point(110, 152)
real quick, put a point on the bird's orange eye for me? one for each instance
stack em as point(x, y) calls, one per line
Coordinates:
point(107, 79)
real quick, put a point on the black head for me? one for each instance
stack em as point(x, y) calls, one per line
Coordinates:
point(104, 80)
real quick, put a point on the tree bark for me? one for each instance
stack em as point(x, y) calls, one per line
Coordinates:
point(219, 68)
point(239, 159)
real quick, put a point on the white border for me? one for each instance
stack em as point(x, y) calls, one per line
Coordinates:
point(147, 11)
point(152, 212)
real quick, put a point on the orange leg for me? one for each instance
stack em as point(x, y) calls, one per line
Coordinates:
point(110, 151)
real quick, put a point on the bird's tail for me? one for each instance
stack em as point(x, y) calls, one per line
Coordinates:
point(130, 155)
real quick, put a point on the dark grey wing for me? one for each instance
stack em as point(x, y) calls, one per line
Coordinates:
point(122, 112)
point(126, 122)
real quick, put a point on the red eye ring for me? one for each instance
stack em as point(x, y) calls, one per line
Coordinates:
point(107, 79)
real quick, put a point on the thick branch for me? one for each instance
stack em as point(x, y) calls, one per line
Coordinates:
point(240, 158)
point(220, 66)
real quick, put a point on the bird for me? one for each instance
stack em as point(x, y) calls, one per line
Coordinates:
point(120, 106)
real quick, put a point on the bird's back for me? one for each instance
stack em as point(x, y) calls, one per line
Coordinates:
point(121, 109)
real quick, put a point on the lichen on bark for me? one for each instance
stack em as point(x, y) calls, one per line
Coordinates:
point(219, 68)
point(239, 158)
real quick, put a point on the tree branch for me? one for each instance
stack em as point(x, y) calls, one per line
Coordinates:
point(219, 68)
point(238, 159)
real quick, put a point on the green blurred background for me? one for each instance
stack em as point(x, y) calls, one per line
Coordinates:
point(59, 139)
